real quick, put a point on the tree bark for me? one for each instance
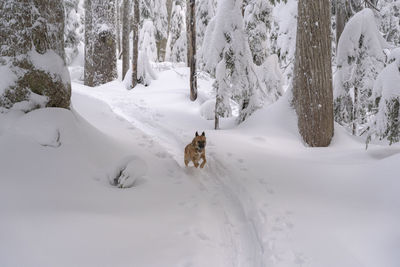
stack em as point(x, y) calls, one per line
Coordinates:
point(135, 46)
point(193, 76)
point(118, 25)
point(312, 84)
point(125, 37)
point(88, 70)
point(188, 35)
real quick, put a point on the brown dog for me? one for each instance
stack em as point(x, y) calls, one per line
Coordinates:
point(196, 151)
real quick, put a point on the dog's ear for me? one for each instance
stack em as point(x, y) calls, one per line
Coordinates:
point(197, 134)
point(203, 134)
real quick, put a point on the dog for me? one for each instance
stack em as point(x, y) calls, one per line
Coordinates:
point(196, 150)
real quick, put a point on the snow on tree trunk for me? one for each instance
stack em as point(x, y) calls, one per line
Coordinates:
point(104, 42)
point(32, 63)
point(312, 83)
point(135, 46)
point(125, 36)
point(360, 58)
point(193, 76)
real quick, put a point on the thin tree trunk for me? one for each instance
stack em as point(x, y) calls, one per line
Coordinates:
point(125, 37)
point(312, 84)
point(193, 76)
point(188, 35)
point(341, 19)
point(118, 26)
point(135, 46)
point(88, 70)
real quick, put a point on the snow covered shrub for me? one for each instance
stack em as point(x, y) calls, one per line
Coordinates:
point(145, 72)
point(258, 22)
point(270, 79)
point(147, 40)
point(386, 123)
point(207, 109)
point(176, 44)
point(360, 58)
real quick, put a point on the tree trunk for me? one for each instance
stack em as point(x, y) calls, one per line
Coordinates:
point(193, 76)
point(188, 35)
point(32, 32)
point(118, 25)
point(341, 18)
point(88, 70)
point(135, 46)
point(312, 84)
point(125, 37)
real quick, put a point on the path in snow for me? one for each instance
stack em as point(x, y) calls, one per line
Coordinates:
point(153, 115)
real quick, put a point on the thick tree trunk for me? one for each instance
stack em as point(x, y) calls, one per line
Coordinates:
point(312, 84)
point(125, 36)
point(193, 76)
point(135, 54)
point(32, 32)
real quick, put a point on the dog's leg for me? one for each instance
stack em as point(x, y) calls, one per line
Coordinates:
point(203, 156)
point(196, 163)
point(186, 162)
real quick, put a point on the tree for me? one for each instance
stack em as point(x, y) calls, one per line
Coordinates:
point(73, 30)
point(344, 11)
point(125, 36)
point(386, 122)
point(176, 44)
point(32, 55)
point(360, 58)
point(192, 49)
point(226, 47)
point(205, 11)
point(258, 22)
point(156, 12)
point(135, 46)
point(312, 83)
point(100, 39)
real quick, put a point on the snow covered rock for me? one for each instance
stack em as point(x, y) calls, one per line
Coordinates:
point(127, 171)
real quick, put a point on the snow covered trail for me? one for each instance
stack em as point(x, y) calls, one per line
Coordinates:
point(238, 237)
point(266, 199)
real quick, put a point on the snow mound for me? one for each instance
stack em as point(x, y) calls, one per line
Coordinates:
point(127, 171)
point(207, 109)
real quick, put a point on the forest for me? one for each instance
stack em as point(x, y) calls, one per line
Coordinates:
point(192, 133)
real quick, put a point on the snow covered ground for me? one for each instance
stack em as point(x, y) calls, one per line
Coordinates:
point(263, 199)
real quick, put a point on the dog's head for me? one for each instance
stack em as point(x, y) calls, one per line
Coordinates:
point(199, 141)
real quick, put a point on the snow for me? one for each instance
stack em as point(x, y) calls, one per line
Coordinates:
point(50, 62)
point(8, 78)
point(263, 198)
